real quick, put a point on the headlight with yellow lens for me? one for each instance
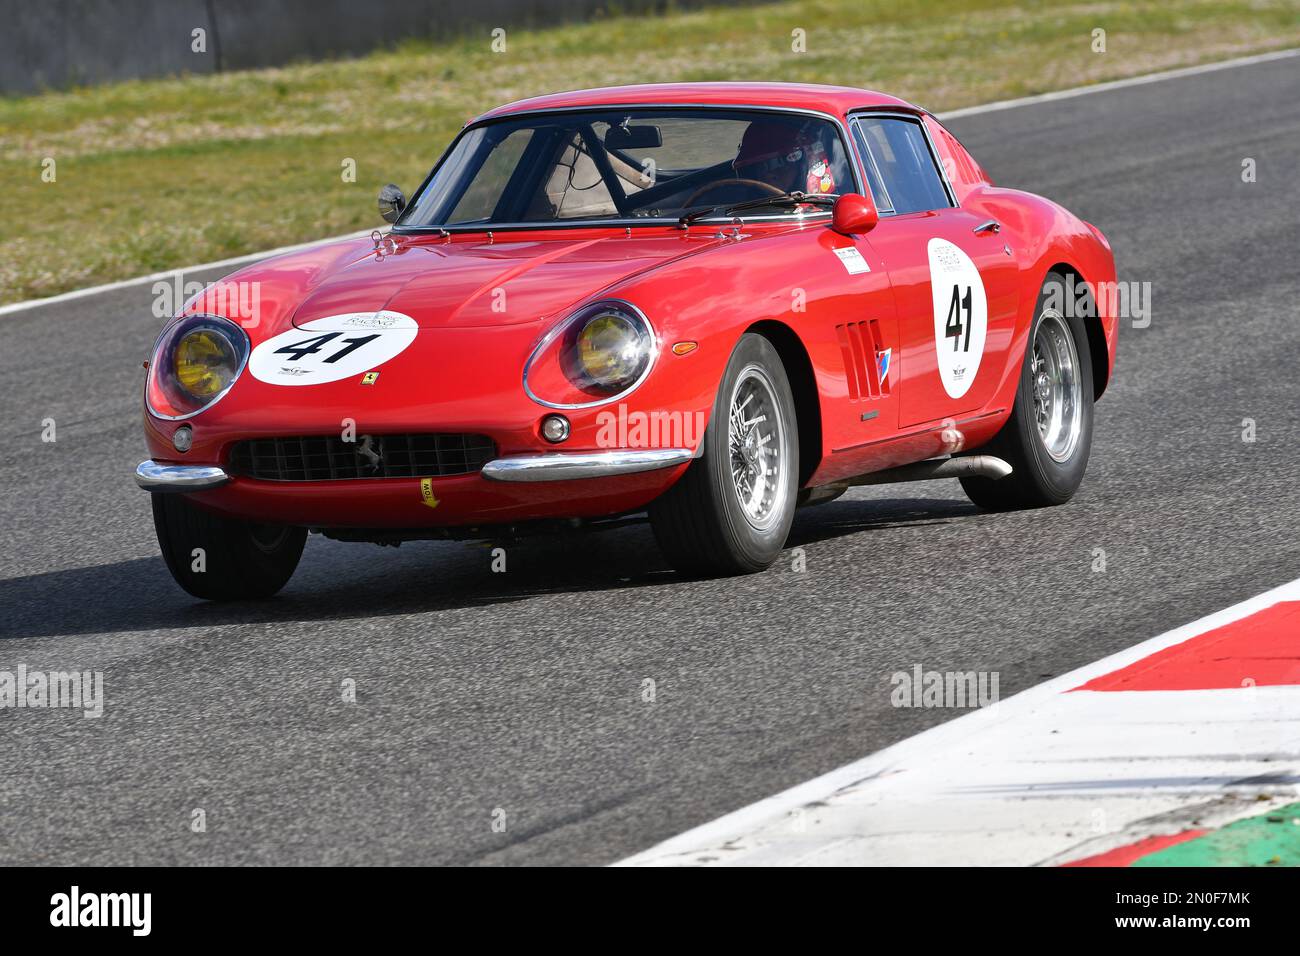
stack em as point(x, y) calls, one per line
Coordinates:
point(597, 354)
point(613, 349)
point(608, 348)
point(205, 363)
point(195, 362)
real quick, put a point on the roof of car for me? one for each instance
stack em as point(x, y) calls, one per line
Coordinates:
point(835, 100)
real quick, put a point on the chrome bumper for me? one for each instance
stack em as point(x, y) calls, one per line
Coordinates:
point(599, 464)
point(154, 476)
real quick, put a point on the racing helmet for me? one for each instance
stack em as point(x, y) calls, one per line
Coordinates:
point(783, 153)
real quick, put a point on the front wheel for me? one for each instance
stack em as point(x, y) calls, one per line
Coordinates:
point(1049, 434)
point(224, 559)
point(730, 513)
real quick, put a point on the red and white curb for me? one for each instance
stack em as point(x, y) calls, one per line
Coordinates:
point(1181, 734)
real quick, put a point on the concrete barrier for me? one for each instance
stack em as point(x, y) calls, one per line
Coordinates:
point(61, 43)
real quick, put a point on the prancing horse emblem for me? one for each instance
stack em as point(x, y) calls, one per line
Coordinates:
point(371, 451)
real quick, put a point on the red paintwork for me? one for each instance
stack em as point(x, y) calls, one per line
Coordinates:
point(831, 100)
point(464, 372)
point(1261, 650)
point(854, 213)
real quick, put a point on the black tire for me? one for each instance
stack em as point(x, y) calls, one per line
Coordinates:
point(240, 560)
point(700, 523)
point(1038, 477)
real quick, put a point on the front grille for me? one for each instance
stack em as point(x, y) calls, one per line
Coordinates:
point(328, 457)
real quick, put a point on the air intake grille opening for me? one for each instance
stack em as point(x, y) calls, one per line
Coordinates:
point(866, 360)
point(329, 457)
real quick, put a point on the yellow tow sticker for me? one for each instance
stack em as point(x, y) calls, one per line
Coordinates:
point(426, 492)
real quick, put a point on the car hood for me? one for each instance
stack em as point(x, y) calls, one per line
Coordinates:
point(473, 281)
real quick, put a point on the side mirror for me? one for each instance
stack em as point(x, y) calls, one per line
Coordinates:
point(854, 214)
point(391, 203)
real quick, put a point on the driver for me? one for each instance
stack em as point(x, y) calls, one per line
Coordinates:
point(781, 155)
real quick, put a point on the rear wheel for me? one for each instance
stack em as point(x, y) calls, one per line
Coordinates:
point(224, 559)
point(731, 512)
point(1048, 437)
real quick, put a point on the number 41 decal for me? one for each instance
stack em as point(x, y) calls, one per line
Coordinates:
point(314, 345)
point(330, 349)
point(954, 327)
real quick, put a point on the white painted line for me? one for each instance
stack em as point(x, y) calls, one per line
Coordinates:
point(878, 809)
point(1118, 84)
point(173, 273)
point(952, 114)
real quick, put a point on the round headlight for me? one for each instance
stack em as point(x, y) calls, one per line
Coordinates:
point(597, 354)
point(196, 361)
point(612, 351)
point(205, 362)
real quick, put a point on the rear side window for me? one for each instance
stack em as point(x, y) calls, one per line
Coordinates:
point(900, 167)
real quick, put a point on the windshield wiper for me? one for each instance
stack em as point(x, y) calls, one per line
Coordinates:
point(784, 199)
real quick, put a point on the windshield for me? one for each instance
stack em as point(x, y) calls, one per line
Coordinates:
point(629, 165)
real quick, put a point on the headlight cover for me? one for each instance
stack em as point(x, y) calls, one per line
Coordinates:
point(195, 362)
point(598, 354)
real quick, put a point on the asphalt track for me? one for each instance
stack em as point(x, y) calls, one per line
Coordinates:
point(523, 691)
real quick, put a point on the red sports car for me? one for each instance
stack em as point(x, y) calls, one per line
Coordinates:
point(708, 302)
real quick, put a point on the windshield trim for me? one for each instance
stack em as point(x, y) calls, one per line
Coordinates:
point(846, 143)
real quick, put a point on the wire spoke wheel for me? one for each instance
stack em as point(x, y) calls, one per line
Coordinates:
point(731, 511)
point(755, 430)
point(1057, 390)
point(1047, 438)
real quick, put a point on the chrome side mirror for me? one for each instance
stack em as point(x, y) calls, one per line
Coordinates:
point(391, 203)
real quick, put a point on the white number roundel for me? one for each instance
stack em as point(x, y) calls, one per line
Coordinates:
point(961, 315)
point(332, 348)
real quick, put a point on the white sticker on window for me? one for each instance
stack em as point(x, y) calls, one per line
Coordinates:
point(853, 262)
point(332, 348)
point(961, 313)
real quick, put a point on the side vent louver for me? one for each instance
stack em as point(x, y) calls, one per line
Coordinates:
point(866, 360)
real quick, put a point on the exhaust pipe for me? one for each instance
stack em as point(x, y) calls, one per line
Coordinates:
point(969, 466)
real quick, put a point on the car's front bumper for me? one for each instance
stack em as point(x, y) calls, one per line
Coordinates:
point(159, 476)
point(598, 464)
point(509, 489)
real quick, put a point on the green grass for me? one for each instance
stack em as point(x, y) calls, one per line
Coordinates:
point(155, 174)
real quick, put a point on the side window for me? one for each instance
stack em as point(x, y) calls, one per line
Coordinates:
point(574, 189)
point(687, 144)
point(485, 191)
point(900, 166)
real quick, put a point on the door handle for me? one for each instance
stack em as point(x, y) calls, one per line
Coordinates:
point(992, 226)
